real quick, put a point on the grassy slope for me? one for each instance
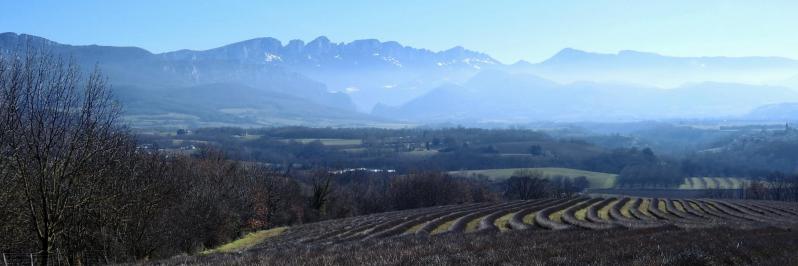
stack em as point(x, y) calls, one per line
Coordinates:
point(247, 241)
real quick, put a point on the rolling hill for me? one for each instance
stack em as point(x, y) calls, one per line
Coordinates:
point(512, 97)
point(634, 67)
point(787, 112)
point(230, 104)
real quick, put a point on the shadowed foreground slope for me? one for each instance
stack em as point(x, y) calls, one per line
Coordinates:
point(660, 246)
point(580, 231)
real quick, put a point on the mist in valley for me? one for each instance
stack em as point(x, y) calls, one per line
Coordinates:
point(398, 133)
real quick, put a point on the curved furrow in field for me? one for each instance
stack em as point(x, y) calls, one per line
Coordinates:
point(369, 222)
point(569, 216)
point(391, 223)
point(400, 228)
point(517, 219)
point(781, 212)
point(428, 227)
point(753, 220)
point(687, 220)
point(775, 209)
point(660, 211)
point(789, 208)
point(635, 211)
point(307, 233)
point(556, 214)
point(593, 211)
point(734, 220)
point(741, 211)
point(364, 229)
point(623, 205)
point(624, 221)
point(617, 215)
point(695, 212)
point(714, 217)
point(790, 205)
point(542, 216)
point(330, 231)
point(487, 223)
point(459, 225)
point(760, 215)
point(786, 206)
point(762, 210)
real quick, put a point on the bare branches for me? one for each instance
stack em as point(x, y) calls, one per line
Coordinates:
point(59, 141)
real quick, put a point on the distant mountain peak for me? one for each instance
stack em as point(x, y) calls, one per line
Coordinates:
point(522, 63)
point(456, 49)
point(636, 53)
point(568, 51)
point(320, 40)
point(567, 55)
point(14, 39)
point(323, 53)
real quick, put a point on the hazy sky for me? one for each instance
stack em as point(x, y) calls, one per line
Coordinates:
point(507, 30)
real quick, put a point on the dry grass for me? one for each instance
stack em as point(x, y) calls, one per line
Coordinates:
point(679, 206)
point(661, 206)
point(695, 206)
point(644, 206)
point(557, 216)
point(625, 209)
point(604, 212)
point(443, 227)
point(581, 214)
point(472, 225)
point(414, 228)
point(503, 223)
point(247, 241)
point(530, 218)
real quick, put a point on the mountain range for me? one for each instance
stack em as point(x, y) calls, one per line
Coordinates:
point(497, 96)
point(570, 65)
point(263, 82)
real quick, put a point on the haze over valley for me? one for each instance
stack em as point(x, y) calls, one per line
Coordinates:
point(265, 82)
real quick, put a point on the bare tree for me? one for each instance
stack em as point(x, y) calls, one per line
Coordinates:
point(526, 184)
point(322, 188)
point(267, 195)
point(60, 141)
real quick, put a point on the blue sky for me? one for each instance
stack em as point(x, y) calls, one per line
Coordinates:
point(507, 30)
